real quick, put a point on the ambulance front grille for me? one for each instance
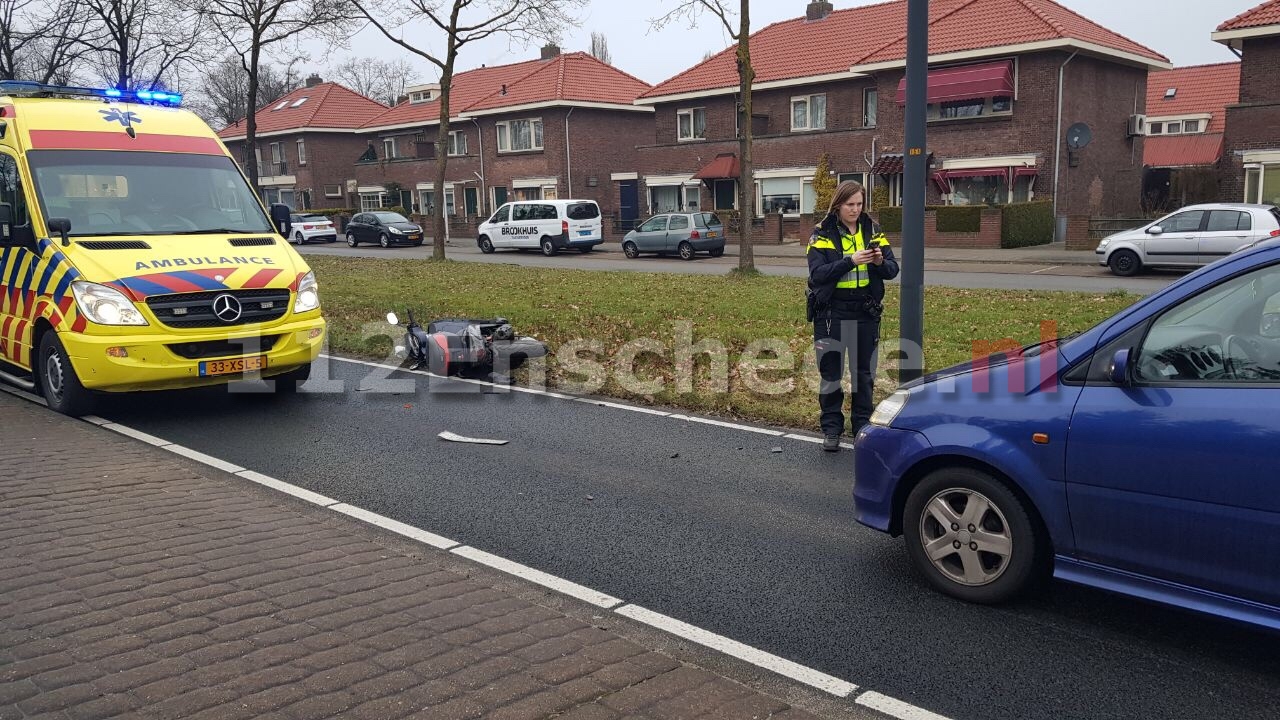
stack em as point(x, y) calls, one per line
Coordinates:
point(195, 310)
point(225, 348)
point(113, 244)
point(251, 242)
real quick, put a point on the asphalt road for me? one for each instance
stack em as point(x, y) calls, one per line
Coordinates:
point(1007, 276)
point(709, 525)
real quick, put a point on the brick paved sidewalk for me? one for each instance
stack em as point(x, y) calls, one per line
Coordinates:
point(135, 583)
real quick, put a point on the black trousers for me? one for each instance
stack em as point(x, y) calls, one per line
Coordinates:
point(837, 342)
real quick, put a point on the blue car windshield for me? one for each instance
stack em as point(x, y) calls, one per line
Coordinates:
point(112, 192)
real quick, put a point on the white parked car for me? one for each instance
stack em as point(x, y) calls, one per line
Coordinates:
point(1190, 237)
point(308, 228)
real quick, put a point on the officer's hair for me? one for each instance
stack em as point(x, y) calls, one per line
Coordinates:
point(844, 191)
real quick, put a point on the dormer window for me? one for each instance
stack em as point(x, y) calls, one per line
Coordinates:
point(421, 96)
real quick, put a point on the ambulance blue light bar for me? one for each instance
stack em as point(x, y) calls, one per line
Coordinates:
point(34, 89)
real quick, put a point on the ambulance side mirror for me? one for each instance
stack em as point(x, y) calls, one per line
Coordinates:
point(62, 226)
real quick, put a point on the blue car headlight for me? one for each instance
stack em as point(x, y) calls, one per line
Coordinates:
point(887, 411)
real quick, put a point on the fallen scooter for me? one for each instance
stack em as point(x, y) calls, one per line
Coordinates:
point(465, 347)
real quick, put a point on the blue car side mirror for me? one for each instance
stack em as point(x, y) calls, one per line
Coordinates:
point(1119, 371)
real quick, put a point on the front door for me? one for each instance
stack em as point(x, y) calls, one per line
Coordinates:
point(726, 195)
point(1226, 232)
point(499, 196)
point(628, 204)
point(1178, 241)
point(1172, 476)
point(471, 197)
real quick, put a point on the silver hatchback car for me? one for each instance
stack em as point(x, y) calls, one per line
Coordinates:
point(1193, 236)
point(682, 233)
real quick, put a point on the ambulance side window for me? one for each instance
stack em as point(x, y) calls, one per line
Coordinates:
point(12, 197)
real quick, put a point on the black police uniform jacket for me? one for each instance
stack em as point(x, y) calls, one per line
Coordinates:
point(827, 266)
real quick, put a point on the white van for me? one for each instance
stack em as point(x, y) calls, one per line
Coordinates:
point(550, 225)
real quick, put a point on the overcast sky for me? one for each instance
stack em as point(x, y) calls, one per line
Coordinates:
point(1177, 28)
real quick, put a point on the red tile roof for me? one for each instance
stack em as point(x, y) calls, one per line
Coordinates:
point(328, 105)
point(1201, 89)
point(795, 49)
point(1182, 150)
point(571, 77)
point(1268, 13)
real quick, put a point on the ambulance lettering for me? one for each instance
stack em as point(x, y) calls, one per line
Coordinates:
point(184, 262)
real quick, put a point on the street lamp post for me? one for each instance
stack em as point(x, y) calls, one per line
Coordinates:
point(911, 307)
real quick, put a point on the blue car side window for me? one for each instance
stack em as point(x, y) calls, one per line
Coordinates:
point(1227, 334)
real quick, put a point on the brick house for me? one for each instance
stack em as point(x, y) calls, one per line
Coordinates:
point(1251, 160)
point(1007, 78)
point(541, 129)
point(1186, 130)
point(306, 142)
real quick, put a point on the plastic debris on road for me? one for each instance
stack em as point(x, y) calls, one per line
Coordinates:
point(453, 437)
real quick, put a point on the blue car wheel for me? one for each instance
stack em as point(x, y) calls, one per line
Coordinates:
point(971, 537)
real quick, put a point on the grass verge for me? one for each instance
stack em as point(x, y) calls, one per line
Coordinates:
point(734, 345)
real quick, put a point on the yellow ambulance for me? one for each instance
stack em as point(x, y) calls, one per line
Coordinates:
point(135, 256)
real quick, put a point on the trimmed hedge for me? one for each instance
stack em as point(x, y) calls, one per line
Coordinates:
point(959, 218)
point(328, 211)
point(1026, 224)
point(890, 219)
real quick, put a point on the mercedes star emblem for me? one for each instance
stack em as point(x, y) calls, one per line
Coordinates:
point(226, 308)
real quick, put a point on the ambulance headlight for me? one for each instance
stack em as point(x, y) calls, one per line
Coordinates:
point(308, 294)
point(105, 305)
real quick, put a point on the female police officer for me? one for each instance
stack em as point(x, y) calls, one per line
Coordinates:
point(849, 260)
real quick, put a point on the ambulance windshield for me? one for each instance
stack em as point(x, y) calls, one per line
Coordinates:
point(109, 192)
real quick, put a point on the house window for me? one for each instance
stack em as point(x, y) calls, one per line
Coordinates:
point(1262, 184)
point(333, 191)
point(809, 113)
point(1001, 104)
point(1173, 128)
point(870, 106)
point(389, 149)
point(1191, 126)
point(985, 190)
point(298, 102)
point(976, 107)
point(784, 195)
point(1155, 128)
point(519, 135)
point(691, 124)
point(302, 152)
point(277, 154)
point(420, 96)
point(457, 142)
point(370, 201)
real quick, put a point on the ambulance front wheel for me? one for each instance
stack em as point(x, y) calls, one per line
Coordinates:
point(57, 379)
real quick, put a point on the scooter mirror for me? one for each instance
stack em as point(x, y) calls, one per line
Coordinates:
point(391, 318)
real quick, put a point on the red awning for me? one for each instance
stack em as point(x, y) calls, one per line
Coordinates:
point(891, 164)
point(1182, 150)
point(723, 166)
point(966, 82)
point(977, 172)
point(1026, 172)
point(944, 184)
point(943, 178)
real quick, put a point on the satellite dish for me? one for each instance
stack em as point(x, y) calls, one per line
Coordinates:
point(1078, 136)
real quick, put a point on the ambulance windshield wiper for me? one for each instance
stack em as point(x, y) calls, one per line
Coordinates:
point(221, 231)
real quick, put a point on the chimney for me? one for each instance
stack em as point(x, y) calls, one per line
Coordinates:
point(314, 80)
point(817, 10)
point(550, 50)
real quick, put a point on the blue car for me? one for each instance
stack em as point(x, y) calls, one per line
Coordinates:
point(1139, 456)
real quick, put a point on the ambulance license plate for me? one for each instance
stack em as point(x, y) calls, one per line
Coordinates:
point(231, 367)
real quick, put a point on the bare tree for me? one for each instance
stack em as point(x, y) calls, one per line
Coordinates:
point(42, 40)
point(691, 10)
point(252, 28)
point(464, 22)
point(142, 44)
point(600, 48)
point(224, 89)
point(382, 80)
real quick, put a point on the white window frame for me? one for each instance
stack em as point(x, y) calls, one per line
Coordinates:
point(457, 143)
point(935, 110)
point(302, 152)
point(337, 193)
point(867, 94)
point(1160, 124)
point(364, 201)
point(506, 135)
point(691, 113)
point(810, 124)
point(277, 153)
point(389, 148)
point(418, 97)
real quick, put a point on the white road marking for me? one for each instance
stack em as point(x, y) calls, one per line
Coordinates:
point(1054, 267)
point(566, 587)
point(202, 458)
point(734, 426)
point(620, 406)
point(396, 526)
point(805, 438)
point(287, 489)
point(759, 658)
point(894, 707)
point(94, 419)
point(136, 434)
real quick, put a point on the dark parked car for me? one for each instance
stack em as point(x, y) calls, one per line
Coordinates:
point(384, 228)
point(681, 233)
